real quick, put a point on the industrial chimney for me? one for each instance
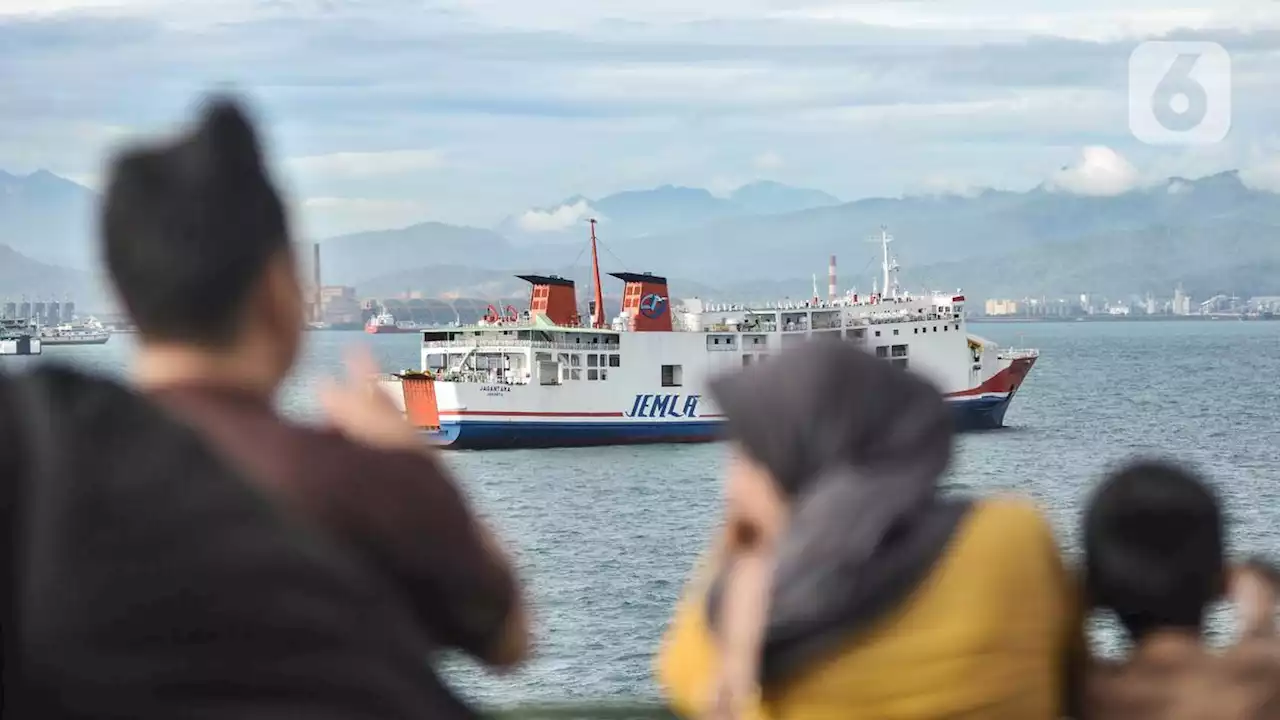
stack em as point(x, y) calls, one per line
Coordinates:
point(317, 310)
point(832, 290)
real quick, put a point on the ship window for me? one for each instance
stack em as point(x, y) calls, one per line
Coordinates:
point(672, 375)
point(899, 351)
point(882, 351)
point(915, 331)
point(575, 360)
point(945, 328)
point(563, 358)
point(895, 331)
point(575, 374)
point(877, 333)
point(593, 360)
point(900, 362)
point(604, 374)
point(592, 373)
point(615, 361)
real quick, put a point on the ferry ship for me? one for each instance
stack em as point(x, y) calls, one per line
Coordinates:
point(90, 332)
point(551, 378)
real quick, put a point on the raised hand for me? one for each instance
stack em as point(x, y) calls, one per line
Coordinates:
point(363, 411)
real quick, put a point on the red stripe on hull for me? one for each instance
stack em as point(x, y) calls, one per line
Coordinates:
point(517, 413)
point(1005, 381)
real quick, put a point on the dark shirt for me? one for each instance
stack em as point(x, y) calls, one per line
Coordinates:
point(398, 510)
point(148, 579)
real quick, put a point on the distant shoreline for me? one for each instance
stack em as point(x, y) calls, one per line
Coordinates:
point(1121, 318)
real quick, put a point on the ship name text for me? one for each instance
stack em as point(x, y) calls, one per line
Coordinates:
point(664, 406)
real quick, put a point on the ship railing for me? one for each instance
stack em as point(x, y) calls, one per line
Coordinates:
point(504, 343)
point(1017, 353)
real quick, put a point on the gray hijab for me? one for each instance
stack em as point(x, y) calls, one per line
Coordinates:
point(856, 446)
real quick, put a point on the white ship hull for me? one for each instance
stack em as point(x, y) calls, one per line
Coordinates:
point(632, 404)
point(29, 345)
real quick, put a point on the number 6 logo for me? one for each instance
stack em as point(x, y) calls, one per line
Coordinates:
point(1179, 93)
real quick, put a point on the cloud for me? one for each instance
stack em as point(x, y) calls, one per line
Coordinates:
point(482, 106)
point(768, 160)
point(1100, 171)
point(366, 164)
point(558, 218)
point(327, 216)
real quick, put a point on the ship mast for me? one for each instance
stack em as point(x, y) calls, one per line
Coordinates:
point(597, 313)
point(887, 265)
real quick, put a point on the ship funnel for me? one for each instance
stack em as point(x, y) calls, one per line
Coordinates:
point(554, 298)
point(645, 301)
point(832, 290)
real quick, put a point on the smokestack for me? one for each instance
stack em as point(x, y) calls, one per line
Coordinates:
point(317, 310)
point(832, 290)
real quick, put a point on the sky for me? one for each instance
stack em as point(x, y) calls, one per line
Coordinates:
point(382, 113)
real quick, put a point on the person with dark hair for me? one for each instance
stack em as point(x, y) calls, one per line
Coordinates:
point(197, 244)
point(1154, 538)
point(843, 583)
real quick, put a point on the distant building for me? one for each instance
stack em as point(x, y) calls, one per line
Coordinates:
point(1181, 301)
point(1001, 307)
point(339, 305)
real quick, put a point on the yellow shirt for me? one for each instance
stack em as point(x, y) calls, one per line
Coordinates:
point(986, 635)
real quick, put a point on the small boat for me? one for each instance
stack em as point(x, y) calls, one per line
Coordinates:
point(89, 332)
point(385, 322)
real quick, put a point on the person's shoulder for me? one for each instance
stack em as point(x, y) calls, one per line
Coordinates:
point(1255, 658)
point(1010, 513)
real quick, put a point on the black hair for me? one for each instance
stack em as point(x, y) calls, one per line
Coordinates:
point(1154, 554)
point(189, 227)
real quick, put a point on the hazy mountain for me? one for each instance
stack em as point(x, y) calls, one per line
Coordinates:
point(472, 282)
point(1232, 256)
point(770, 198)
point(930, 230)
point(21, 276)
point(357, 258)
point(48, 218)
point(1212, 234)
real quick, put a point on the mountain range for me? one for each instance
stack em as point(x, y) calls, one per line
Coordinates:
point(763, 241)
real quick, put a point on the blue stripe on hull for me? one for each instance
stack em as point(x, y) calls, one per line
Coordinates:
point(977, 414)
point(487, 435)
point(980, 414)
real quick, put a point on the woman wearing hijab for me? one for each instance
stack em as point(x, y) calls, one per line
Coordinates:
point(842, 584)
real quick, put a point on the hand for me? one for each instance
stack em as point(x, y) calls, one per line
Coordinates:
point(756, 513)
point(361, 410)
point(731, 696)
point(1253, 592)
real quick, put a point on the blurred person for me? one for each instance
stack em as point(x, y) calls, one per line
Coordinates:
point(842, 584)
point(198, 248)
point(1154, 538)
